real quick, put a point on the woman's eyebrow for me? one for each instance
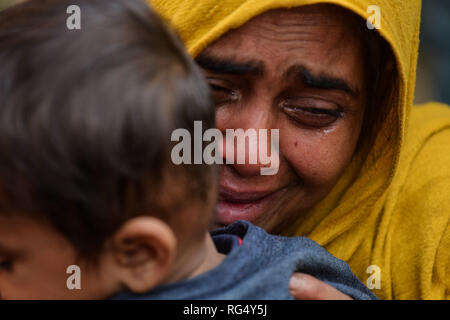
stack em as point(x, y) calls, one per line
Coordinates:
point(320, 81)
point(229, 66)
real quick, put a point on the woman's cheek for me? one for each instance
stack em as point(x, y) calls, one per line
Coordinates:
point(318, 158)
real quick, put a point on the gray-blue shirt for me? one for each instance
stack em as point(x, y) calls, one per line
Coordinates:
point(258, 266)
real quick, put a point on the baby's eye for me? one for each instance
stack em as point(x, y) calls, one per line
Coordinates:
point(6, 265)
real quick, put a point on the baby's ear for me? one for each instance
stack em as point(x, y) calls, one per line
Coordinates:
point(143, 252)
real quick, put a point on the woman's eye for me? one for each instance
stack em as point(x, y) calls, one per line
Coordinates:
point(312, 116)
point(222, 95)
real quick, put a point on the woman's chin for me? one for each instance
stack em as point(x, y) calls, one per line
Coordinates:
point(228, 212)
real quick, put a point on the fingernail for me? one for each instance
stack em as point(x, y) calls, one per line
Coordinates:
point(296, 281)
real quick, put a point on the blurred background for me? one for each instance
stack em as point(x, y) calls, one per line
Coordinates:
point(433, 72)
point(6, 3)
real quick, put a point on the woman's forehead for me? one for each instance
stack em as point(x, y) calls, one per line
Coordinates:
point(279, 40)
point(316, 28)
point(318, 13)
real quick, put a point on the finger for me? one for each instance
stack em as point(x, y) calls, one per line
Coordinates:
point(305, 287)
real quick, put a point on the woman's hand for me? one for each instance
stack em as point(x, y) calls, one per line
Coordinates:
point(305, 287)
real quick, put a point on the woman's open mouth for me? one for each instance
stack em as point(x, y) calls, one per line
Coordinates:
point(234, 205)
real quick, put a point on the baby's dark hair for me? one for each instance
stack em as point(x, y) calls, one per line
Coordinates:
point(86, 117)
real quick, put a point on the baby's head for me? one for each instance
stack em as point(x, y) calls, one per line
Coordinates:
point(86, 177)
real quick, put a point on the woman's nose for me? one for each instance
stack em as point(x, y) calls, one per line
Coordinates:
point(249, 143)
point(240, 151)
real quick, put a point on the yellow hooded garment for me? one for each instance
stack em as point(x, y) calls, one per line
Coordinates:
point(392, 212)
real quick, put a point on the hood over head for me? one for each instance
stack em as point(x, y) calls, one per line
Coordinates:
point(199, 23)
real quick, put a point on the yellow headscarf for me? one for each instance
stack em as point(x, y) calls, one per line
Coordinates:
point(393, 212)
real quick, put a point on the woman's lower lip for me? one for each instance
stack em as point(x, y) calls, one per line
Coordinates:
point(227, 212)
